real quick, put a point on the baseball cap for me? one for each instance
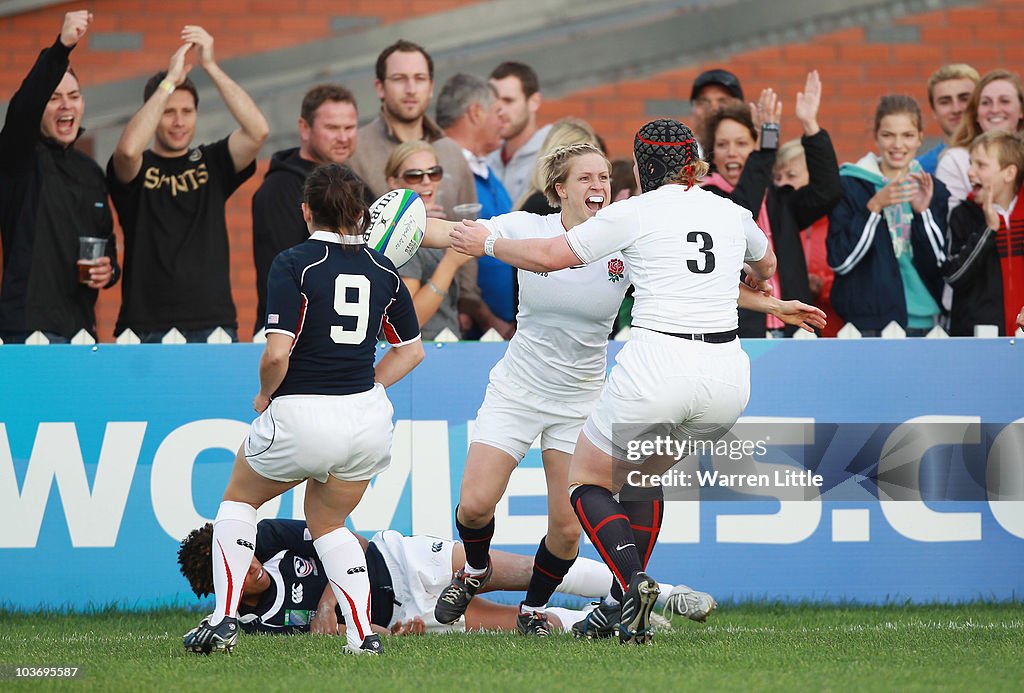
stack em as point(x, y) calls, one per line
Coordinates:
point(723, 78)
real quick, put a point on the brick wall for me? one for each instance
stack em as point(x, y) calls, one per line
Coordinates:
point(857, 66)
point(135, 37)
point(132, 37)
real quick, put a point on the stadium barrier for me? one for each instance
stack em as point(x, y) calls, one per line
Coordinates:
point(109, 454)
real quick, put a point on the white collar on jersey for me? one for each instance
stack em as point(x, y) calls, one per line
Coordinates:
point(334, 237)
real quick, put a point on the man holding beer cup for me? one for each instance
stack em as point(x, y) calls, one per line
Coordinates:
point(51, 195)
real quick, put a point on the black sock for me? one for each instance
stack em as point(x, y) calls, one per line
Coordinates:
point(608, 528)
point(616, 591)
point(548, 571)
point(646, 511)
point(477, 542)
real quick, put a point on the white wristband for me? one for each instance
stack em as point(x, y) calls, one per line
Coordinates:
point(489, 244)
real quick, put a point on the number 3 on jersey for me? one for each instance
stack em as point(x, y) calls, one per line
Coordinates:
point(706, 244)
point(351, 299)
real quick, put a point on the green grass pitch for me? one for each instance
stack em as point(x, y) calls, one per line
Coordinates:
point(976, 647)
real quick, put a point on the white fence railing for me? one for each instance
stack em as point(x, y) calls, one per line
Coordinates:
point(219, 336)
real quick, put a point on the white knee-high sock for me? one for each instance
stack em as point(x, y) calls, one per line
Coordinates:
point(666, 590)
point(345, 565)
point(662, 600)
point(586, 578)
point(234, 541)
point(567, 616)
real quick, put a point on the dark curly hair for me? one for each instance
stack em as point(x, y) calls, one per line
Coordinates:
point(194, 559)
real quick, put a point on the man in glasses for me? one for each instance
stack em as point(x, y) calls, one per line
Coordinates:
point(469, 110)
point(405, 85)
point(328, 122)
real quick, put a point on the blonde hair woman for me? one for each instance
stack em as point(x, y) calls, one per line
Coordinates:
point(430, 274)
point(564, 132)
point(549, 380)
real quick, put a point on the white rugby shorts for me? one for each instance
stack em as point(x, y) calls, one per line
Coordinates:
point(692, 388)
point(511, 417)
point(313, 436)
point(421, 568)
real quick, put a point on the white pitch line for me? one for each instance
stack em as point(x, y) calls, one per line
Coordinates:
point(871, 628)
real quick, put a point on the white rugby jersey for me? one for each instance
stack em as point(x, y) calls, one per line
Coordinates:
point(564, 318)
point(685, 250)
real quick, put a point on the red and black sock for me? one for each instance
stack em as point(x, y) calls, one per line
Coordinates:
point(608, 527)
point(646, 511)
point(548, 571)
point(477, 541)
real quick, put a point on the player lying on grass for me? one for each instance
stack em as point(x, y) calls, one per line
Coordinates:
point(286, 591)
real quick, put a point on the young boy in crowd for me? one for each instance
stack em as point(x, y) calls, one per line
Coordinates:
point(986, 238)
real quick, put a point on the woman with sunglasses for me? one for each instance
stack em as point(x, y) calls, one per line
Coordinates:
point(547, 383)
point(430, 274)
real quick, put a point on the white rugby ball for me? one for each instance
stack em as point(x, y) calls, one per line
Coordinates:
point(397, 222)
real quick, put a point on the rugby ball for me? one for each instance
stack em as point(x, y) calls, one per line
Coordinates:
point(397, 222)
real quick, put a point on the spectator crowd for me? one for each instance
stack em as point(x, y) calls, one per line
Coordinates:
point(924, 239)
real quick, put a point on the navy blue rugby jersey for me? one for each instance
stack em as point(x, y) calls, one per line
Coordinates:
point(298, 580)
point(334, 302)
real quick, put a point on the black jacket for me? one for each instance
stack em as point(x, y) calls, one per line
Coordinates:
point(974, 271)
point(868, 289)
point(789, 212)
point(49, 196)
point(538, 204)
point(276, 217)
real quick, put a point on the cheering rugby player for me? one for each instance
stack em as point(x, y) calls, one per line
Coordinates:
point(551, 376)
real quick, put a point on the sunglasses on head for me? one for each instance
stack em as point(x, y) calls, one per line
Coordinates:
point(415, 175)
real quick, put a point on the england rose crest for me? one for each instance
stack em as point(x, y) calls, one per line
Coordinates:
point(615, 269)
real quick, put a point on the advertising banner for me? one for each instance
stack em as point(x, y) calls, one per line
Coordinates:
point(863, 470)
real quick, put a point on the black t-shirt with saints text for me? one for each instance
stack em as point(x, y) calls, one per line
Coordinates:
point(176, 257)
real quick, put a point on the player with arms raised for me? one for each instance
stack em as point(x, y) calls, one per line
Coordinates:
point(683, 365)
point(324, 415)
